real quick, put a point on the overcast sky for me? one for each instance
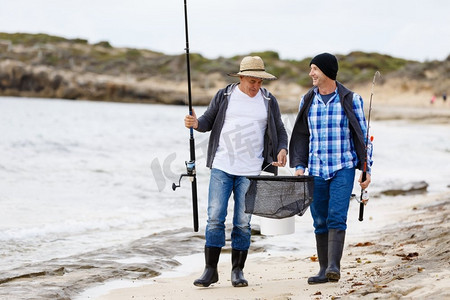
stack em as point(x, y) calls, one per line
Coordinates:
point(411, 29)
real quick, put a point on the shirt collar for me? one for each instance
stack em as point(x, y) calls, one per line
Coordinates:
point(316, 90)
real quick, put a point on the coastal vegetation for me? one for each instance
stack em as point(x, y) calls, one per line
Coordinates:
point(41, 65)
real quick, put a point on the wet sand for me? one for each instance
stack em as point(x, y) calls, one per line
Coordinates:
point(404, 255)
point(400, 251)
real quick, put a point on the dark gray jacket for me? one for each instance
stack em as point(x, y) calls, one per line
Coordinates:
point(275, 137)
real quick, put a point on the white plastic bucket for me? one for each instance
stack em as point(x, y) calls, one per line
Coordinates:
point(277, 226)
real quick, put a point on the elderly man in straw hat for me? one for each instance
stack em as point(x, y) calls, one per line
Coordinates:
point(247, 136)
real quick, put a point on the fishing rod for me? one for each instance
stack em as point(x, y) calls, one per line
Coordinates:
point(364, 197)
point(190, 165)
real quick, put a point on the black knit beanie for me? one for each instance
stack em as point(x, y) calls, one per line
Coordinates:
point(327, 63)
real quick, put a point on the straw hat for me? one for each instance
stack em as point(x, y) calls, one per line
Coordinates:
point(253, 66)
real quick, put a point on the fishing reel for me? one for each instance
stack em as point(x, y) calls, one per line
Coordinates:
point(364, 198)
point(190, 172)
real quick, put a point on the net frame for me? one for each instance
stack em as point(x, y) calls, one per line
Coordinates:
point(279, 197)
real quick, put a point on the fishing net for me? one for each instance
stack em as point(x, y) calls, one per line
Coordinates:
point(279, 197)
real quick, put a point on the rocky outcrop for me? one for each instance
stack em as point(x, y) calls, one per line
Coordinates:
point(19, 79)
point(39, 65)
point(416, 187)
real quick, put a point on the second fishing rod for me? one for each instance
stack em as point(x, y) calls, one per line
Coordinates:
point(364, 197)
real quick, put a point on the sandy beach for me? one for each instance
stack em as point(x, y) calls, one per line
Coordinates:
point(95, 245)
point(400, 251)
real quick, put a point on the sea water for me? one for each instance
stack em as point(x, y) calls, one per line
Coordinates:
point(86, 191)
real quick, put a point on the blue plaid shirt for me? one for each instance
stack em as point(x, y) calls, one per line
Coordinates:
point(331, 146)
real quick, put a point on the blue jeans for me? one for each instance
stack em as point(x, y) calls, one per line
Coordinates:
point(331, 200)
point(221, 185)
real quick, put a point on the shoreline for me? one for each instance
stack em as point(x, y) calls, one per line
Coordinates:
point(402, 250)
point(417, 110)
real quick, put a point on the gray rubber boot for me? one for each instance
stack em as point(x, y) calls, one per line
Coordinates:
point(238, 261)
point(210, 274)
point(336, 240)
point(322, 254)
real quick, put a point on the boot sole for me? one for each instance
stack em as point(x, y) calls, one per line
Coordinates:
point(318, 281)
point(241, 284)
point(199, 284)
point(205, 284)
point(333, 277)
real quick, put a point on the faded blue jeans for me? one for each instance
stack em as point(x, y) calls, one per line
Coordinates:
point(221, 185)
point(331, 201)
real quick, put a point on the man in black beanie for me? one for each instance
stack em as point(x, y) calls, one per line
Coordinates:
point(327, 63)
point(329, 140)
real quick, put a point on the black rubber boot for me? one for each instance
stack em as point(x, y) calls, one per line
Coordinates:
point(238, 261)
point(322, 254)
point(336, 239)
point(210, 274)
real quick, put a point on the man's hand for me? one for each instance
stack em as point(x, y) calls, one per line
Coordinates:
point(191, 121)
point(281, 158)
point(366, 183)
point(299, 172)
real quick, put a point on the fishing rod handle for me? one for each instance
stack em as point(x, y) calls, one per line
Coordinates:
point(361, 212)
point(361, 204)
point(194, 204)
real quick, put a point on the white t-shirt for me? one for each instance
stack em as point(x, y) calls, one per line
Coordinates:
point(241, 142)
